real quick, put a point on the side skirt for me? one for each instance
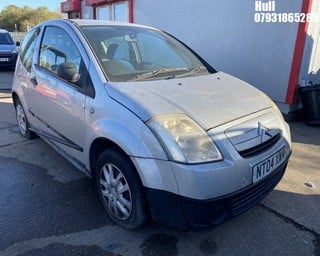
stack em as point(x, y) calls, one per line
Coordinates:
point(81, 167)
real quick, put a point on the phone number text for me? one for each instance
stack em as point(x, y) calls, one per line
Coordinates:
point(283, 17)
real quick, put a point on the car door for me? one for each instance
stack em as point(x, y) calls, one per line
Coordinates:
point(58, 104)
point(23, 71)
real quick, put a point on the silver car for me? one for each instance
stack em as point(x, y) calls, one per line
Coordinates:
point(162, 132)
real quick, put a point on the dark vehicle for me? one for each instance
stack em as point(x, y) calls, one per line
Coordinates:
point(8, 50)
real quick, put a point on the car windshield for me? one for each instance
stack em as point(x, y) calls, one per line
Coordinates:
point(5, 38)
point(130, 53)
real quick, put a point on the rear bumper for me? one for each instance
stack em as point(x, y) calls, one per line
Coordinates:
point(189, 214)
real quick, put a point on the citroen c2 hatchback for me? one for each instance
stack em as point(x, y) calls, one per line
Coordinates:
point(162, 132)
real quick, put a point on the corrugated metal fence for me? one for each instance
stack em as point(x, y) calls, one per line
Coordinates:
point(18, 36)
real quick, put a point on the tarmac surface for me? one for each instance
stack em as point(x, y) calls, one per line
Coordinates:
point(47, 207)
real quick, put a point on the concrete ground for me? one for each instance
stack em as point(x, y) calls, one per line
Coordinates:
point(48, 208)
point(6, 79)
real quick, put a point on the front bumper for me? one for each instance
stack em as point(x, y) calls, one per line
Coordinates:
point(8, 60)
point(189, 214)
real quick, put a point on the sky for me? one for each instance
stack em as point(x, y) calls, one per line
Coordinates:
point(52, 5)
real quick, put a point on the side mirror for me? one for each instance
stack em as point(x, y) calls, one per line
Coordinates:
point(68, 71)
point(17, 43)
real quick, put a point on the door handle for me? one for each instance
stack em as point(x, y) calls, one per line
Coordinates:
point(92, 111)
point(34, 81)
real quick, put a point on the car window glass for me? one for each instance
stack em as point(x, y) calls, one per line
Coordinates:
point(5, 38)
point(27, 48)
point(117, 48)
point(125, 53)
point(166, 55)
point(57, 47)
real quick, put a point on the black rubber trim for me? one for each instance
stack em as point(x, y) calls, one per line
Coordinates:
point(261, 147)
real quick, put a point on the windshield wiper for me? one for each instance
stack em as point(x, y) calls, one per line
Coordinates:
point(200, 69)
point(157, 72)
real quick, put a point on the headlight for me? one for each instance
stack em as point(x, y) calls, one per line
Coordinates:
point(183, 139)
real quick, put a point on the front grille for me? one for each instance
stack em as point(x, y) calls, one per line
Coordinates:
point(250, 197)
point(7, 59)
point(261, 147)
point(255, 135)
point(6, 55)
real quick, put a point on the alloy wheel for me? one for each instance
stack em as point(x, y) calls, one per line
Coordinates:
point(22, 120)
point(115, 192)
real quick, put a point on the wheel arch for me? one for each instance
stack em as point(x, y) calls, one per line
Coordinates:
point(98, 146)
point(129, 137)
point(15, 98)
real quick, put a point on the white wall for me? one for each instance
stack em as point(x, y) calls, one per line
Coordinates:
point(224, 33)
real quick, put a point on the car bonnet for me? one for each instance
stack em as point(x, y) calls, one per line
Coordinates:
point(210, 100)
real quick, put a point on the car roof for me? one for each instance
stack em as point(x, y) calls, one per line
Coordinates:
point(84, 22)
point(3, 30)
point(91, 22)
point(88, 22)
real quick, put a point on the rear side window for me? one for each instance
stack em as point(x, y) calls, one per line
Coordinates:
point(27, 48)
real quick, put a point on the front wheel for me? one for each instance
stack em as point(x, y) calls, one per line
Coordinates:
point(23, 122)
point(120, 189)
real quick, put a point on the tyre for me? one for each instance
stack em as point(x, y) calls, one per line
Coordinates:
point(120, 189)
point(23, 122)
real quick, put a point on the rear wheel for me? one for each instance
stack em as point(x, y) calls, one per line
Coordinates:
point(23, 122)
point(120, 189)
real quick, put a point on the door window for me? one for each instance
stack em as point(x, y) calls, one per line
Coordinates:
point(57, 47)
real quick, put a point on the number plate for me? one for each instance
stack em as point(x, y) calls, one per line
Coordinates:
point(4, 59)
point(262, 169)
